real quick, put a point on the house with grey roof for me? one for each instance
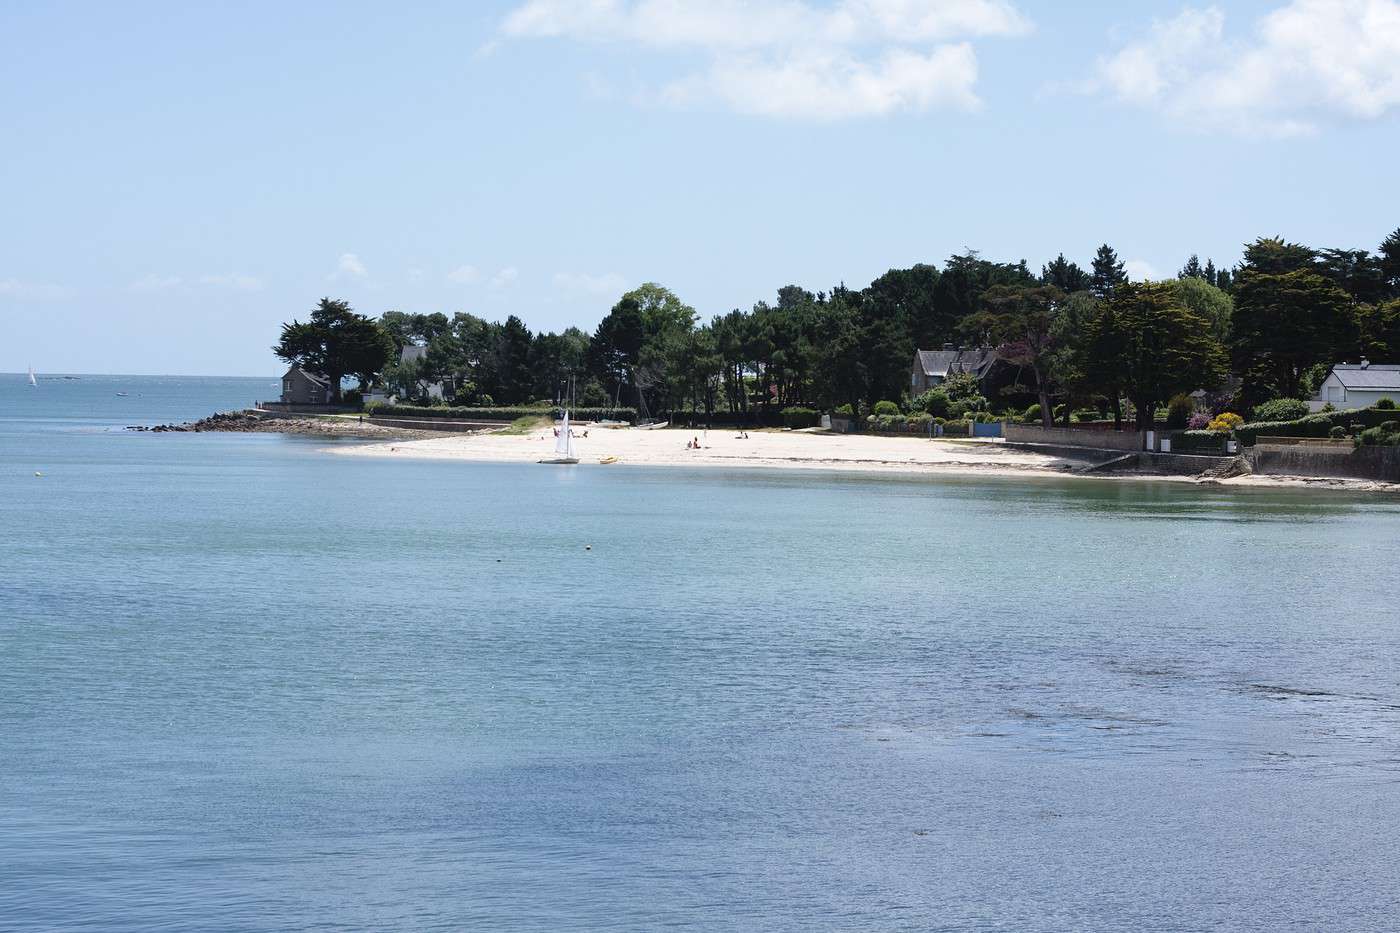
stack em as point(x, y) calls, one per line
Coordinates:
point(300, 387)
point(414, 353)
point(994, 373)
point(1358, 385)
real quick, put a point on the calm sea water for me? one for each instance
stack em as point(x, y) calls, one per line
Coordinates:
point(246, 685)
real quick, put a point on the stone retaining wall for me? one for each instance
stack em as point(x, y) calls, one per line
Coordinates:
point(1374, 463)
point(1099, 440)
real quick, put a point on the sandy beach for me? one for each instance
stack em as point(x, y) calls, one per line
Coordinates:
point(796, 450)
point(724, 448)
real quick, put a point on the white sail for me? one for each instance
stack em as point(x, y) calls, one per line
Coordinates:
point(569, 450)
point(32, 380)
point(563, 444)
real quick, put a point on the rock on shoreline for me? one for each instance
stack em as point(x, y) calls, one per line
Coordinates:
point(239, 422)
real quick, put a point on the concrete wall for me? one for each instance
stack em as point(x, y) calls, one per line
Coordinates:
point(1069, 437)
point(438, 424)
point(1373, 463)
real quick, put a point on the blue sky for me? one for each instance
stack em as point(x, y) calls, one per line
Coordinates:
point(177, 179)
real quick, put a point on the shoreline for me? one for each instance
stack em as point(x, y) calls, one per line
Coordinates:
point(805, 450)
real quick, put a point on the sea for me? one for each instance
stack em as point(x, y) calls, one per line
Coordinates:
point(247, 684)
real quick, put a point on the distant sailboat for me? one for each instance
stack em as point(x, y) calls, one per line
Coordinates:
point(563, 444)
point(32, 381)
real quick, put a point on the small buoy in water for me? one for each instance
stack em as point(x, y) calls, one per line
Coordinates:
point(37, 473)
point(588, 547)
point(498, 560)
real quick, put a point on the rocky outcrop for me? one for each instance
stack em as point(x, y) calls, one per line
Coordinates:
point(249, 423)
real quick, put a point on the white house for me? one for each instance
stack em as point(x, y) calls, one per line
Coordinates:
point(1358, 385)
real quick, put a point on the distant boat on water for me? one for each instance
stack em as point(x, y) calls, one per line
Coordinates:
point(32, 381)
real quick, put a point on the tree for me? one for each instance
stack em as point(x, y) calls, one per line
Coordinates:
point(1108, 273)
point(1355, 271)
point(634, 345)
point(1192, 269)
point(1064, 275)
point(1379, 327)
point(336, 342)
point(909, 298)
point(1285, 322)
point(1021, 320)
point(1209, 302)
point(1390, 263)
point(1154, 347)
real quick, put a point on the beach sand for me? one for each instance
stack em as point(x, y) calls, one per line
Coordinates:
point(797, 450)
point(722, 448)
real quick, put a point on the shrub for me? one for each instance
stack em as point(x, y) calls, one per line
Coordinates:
point(957, 428)
point(1225, 422)
point(920, 419)
point(498, 414)
point(1338, 432)
point(886, 408)
point(1281, 409)
point(1179, 410)
point(1209, 441)
point(1385, 404)
point(1086, 414)
point(1032, 414)
point(934, 401)
point(1199, 421)
point(1318, 425)
point(801, 418)
point(844, 411)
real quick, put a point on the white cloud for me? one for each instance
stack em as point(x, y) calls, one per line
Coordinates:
point(794, 58)
point(242, 283)
point(607, 284)
point(464, 275)
point(832, 86)
point(505, 277)
point(1139, 270)
point(37, 291)
point(156, 283)
point(349, 267)
point(1308, 62)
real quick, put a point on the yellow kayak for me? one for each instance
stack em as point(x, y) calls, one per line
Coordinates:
point(607, 460)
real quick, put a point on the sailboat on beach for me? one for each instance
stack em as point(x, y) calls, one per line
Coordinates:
point(563, 444)
point(564, 438)
point(32, 381)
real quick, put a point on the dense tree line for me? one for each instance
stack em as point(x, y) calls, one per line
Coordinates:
point(1080, 337)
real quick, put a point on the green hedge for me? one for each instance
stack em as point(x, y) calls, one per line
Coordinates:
point(501, 414)
point(1198, 442)
point(1318, 425)
point(801, 417)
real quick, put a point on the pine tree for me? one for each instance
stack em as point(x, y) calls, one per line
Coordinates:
point(1209, 274)
point(1064, 275)
point(1108, 273)
point(1390, 263)
point(1192, 269)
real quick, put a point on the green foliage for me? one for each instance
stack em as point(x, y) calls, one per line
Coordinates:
point(801, 417)
point(1357, 421)
point(1198, 442)
point(1179, 410)
point(1032, 415)
point(1385, 404)
point(1280, 409)
point(1337, 432)
point(500, 414)
point(1383, 435)
point(935, 401)
point(336, 342)
point(844, 411)
point(886, 408)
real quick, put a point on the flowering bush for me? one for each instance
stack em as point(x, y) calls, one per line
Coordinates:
point(1225, 422)
point(1198, 421)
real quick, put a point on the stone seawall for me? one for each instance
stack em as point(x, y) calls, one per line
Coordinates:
point(1381, 464)
point(1069, 437)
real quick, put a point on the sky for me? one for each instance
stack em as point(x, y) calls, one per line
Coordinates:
point(177, 179)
